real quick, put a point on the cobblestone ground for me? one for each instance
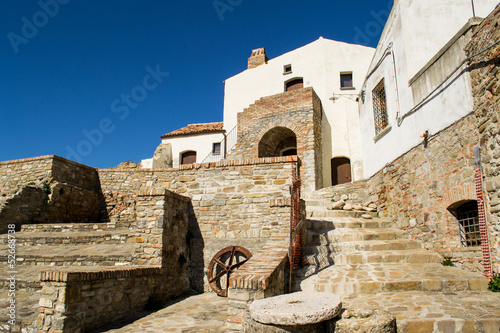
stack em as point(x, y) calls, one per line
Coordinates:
point(200, 313)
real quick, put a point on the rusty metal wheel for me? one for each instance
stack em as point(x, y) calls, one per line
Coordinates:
point(223, 264)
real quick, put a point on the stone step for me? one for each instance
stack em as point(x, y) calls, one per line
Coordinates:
point(325, 255)
point(116, 236)
point(392, 245)
point(342, 235)
point(346, 280)
point(320, 213)
point(69, 227)
point(76, 255)
point(404, 256)
point(346, 222)
point(435, 311)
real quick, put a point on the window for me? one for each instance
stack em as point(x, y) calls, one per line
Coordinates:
point(294, 84)
point(287, 69)
point(216, 148)
point(468, 224)
point(380, 108)
point(346, 80)
point(188, 157)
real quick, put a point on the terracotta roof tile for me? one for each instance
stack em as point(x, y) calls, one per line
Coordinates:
point(196, 129)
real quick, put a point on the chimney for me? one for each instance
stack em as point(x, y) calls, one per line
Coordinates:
point(257, 58)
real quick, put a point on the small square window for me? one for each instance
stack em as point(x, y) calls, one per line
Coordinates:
point(346, 81)
point(216, 148)
point(287, 69)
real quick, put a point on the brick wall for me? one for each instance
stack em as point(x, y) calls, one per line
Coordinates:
point(243, 203)
point(485, 77)
point(66, 191)
point(299, 111)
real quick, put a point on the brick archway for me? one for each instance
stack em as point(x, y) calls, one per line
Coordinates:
point(277, 141)
point(285, 126)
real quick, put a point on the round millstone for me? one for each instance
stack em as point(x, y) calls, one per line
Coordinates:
point(301, 308)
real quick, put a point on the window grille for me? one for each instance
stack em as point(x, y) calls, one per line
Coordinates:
point(468, 224)
point(380, 108)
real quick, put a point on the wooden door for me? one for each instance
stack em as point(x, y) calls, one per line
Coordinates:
point(188, 157)
point(341, 170)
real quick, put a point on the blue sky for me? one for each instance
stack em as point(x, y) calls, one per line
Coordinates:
point(69, 67)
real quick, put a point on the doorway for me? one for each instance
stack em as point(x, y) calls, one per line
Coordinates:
point(341, 170)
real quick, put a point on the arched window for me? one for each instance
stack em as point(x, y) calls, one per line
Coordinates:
point(278, 141)
point(188, 157)
point(294, 84)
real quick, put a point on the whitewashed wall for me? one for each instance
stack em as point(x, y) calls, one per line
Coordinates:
point(417, 30)
point(319, 64)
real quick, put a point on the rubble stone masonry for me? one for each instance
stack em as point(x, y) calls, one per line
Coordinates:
point(485, 77)
point(243, 203)
point(48, 189)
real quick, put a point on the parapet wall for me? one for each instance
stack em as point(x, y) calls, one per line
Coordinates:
point(48, 189)
point(244, 203)
point(82, 300)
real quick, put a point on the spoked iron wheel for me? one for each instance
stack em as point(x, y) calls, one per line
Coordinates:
point(223, 264)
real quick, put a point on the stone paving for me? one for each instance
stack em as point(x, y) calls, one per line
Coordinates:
point(199, 313)
point(388, 277)
point(435, 312)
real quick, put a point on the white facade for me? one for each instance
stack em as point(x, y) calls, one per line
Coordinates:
point(420, 50)
point(202, 144)
point(319, 64)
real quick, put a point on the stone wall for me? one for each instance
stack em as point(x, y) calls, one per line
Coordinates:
point(485, 76)
point(68, 191)
point(244, 203)
point(83, 300)
point(299, 111)
point(416, 190)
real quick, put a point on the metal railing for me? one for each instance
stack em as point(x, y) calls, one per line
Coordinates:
point(226, 145)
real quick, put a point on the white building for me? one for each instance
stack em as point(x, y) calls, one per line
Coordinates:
point(416, 84)
point(335, 71)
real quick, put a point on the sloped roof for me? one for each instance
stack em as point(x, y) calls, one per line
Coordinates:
point(196, 129)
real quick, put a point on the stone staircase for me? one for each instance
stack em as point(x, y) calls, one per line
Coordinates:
point(370, 264)
point(44, 246)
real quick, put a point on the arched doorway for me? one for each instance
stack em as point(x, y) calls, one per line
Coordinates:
point(188, 157)
point(294, 84)
point(341, 170)
point(278, 141)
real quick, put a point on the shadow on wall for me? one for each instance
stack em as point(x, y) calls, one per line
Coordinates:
point(53, 203)
point(196, 244)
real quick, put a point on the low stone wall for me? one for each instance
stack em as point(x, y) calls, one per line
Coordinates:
point(66, 191)
point(485, 77)
point(79, 301)
point(244, 203)
point(264, 275)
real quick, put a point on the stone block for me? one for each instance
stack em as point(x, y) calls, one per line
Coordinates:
point(420, 326)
